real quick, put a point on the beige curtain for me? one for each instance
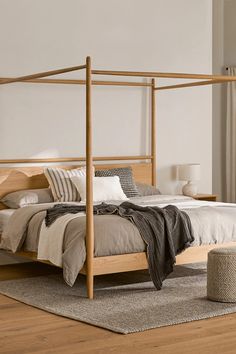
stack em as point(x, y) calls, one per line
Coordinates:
point(231, 139)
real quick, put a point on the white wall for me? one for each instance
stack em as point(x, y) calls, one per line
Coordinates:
point(161, 35)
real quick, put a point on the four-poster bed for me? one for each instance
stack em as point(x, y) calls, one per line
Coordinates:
point(16, 178)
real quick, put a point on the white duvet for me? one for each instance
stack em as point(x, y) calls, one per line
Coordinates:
point(212, 222)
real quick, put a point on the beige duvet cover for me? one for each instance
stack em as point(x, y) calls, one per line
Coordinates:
point(211, 222)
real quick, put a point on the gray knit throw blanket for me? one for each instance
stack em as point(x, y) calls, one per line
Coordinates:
point(166, 231)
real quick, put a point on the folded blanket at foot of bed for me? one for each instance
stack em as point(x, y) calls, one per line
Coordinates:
point(166, 231)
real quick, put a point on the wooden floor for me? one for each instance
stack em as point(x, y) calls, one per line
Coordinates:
point(25, 329)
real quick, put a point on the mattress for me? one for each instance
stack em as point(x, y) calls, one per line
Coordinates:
point(4, 218)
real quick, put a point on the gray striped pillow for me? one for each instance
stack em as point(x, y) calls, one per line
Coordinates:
point(63, 190)
point(126, 179)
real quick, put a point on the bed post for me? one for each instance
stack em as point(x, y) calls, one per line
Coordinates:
point(153, 134)
point(89, 185)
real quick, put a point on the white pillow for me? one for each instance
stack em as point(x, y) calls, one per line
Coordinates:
point(104, 188)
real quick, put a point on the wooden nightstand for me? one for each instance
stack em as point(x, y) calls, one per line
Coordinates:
point(207, 197)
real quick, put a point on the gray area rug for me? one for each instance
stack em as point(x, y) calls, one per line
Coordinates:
point(125, 302)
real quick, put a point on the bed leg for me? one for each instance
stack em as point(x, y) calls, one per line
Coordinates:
point(90, 281)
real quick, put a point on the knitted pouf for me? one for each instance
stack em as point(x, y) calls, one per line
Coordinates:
point(221, 274)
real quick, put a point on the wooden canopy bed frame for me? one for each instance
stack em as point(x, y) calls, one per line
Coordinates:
point(144, 167)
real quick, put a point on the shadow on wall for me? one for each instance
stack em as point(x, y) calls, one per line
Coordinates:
point(169, 183)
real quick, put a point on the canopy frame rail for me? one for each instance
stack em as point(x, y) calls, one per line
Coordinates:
point(75, 159)
point(153, 74)
point(79, 82)
point(196, 83)
point(42, 74)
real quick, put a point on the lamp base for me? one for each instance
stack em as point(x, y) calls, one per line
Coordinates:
point(190, 189)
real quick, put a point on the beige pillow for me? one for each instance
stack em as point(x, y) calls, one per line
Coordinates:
point(26, 197)
point(147, 189)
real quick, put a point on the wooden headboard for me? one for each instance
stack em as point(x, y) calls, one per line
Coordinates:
point(17, 178)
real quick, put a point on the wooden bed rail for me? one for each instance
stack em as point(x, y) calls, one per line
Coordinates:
point(75, 159)
point(42, 74)
point(196, 83)
point(80, 82)
point(153, 74)
point(4, 80)
point(37, 78)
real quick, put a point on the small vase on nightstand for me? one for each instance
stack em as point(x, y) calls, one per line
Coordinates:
point(190, 173)
point(190, 189)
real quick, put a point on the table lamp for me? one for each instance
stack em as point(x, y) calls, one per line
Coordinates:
point(190, 173)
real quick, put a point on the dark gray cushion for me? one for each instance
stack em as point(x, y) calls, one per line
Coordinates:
point(147, 189)
point(25, 197)
point(126, 179)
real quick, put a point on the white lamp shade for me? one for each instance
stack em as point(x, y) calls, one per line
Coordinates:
point(189, 172)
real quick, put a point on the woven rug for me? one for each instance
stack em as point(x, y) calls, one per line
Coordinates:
point(125, 302)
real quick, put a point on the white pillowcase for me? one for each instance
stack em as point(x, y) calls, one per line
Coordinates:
point(104, 188)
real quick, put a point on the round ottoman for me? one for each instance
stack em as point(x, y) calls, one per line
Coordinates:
point(221, 274)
